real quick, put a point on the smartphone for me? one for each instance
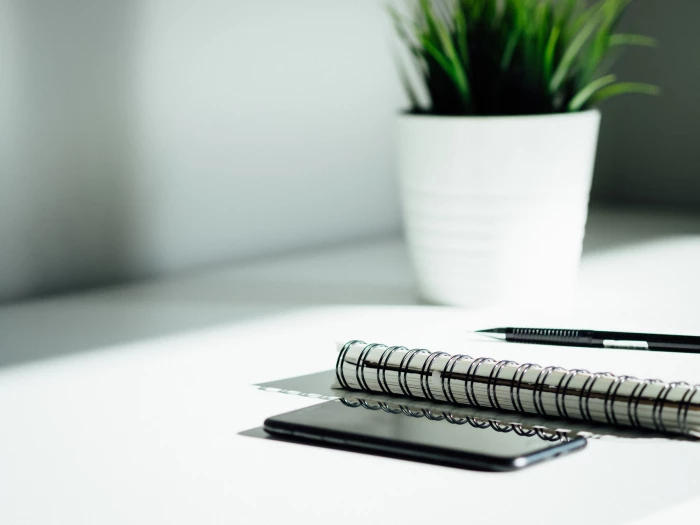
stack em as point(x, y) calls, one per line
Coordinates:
point(419, 435)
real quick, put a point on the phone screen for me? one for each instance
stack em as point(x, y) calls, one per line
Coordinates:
point(421, 435)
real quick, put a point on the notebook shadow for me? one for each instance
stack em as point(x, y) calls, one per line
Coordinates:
point(320, 386)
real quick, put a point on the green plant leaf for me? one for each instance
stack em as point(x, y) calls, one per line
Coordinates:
point(580, 99)
point(578, 21)
point(427, 12)
point(437, 55)
point(542, 15)
point(622, 88)
point(567, 9)
point(600, 46)
point(574, 48)
point(460, 75)
point(461, 35)
point(400, 26)
point(549, 52)
point(510, 49)
point(506, 57)
point(622, 39)
point(406, 83)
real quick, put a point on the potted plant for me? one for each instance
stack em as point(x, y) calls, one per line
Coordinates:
point(497, 149)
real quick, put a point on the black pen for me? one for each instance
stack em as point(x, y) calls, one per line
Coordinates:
point(597, 339)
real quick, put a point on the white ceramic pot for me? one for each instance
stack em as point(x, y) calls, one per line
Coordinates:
point(495, 207)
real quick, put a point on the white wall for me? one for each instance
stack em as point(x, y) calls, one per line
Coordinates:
point(143, 137)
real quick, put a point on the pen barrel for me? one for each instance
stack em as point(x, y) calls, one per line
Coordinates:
point(660, 342)
point(550, 336)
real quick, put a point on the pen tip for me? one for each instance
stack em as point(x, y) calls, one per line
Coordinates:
point(492, 331)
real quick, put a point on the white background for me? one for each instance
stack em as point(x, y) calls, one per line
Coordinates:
point(143, 137)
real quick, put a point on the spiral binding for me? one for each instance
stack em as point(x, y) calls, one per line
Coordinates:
point(483, 424)
point(526, 388)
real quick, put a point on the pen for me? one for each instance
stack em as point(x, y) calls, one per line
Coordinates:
point(597, 339)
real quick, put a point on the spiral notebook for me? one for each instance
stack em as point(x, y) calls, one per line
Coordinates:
point(547, 391)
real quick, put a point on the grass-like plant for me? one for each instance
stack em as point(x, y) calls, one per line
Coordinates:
point(514, 57)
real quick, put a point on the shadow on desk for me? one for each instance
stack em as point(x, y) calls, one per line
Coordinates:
point(58, 326)
point(368, 273)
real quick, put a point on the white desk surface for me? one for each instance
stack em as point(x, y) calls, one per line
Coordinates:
point(125, 405)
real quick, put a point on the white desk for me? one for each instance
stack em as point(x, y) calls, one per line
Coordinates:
point(125, 405)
